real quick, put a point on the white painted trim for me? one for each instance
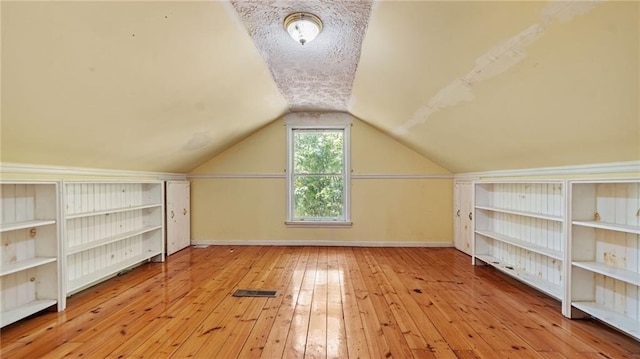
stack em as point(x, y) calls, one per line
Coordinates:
point(597, 168)
point(402, 176)
point(601, 168)
point(353, 176)
point(20, 168)
point(318, 224)
point(237, 175)
point(205, 242)
point(463, 178)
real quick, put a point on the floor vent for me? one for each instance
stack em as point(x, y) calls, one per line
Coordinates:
point(254, 293)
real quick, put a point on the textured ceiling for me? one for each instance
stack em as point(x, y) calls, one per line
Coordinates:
point(319, 75)
point(471, 85)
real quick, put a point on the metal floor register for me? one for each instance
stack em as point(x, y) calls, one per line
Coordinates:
point(254, 293)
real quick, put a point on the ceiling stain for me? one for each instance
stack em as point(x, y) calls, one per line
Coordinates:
point(498, 59)
point(197, 141)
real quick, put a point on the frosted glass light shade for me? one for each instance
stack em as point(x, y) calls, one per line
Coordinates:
point(303, 27)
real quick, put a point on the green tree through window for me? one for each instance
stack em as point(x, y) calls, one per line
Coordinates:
point(318, 174)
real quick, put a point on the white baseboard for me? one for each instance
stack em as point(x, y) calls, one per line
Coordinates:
point(210, 242)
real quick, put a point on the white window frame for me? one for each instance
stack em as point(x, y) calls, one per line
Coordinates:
point(337, 123)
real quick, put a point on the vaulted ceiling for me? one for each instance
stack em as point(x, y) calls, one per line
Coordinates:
point(472, 85)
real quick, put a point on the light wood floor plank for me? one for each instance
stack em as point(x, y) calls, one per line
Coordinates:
point(257, 339)
point(296, 343)
point(353, 324)
point(206, 294)
point(210, 335)
point(332, 302)
point(403, 305)
point(270, 273)
point(448, 319)
point(61, 351)
point(377, 343)
point(336, 334)
point(275, 345)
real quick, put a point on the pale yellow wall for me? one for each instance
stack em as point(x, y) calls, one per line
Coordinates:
point(372, 152)
point(383, 210)
point(263, 152)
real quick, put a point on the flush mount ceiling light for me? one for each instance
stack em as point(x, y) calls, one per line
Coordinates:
point(303, 27)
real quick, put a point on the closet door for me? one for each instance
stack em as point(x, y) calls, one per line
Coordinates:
point(463, 218)
point(178, 216)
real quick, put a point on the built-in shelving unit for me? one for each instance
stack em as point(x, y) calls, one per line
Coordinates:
point(110, 227)
point(519, 230)
point(29, 252)
point(605, 252)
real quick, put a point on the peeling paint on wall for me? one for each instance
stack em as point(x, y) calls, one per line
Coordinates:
point(496, 61)
point(565, 11)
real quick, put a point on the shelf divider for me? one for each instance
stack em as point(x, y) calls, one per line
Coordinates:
point(627, 228)
point(26, 264)
point(610, 271)
point(522, 244)
point(548, 217)
point(110, 211)
point(6, 227)
point(86, 280)
point(616, 320)
point(25, 310)
point(112, 239)
point(549, 288)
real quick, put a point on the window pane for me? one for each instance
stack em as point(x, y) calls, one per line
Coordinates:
point(318, 196)
point(317, 151)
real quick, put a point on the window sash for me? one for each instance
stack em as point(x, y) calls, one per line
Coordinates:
point(304, 134)
point(344, 175)
point(332, 208)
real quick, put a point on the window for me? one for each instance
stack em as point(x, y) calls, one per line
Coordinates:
point(317, 174)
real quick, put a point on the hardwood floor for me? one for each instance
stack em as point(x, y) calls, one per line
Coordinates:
point(332, 302)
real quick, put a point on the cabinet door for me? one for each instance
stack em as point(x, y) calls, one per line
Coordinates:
point(178, 216)
point(463, 220)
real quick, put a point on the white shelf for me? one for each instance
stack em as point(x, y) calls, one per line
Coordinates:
point(112, 239)
point(24, 265)
point(99, 275)
point(6, 227)
point(110, 211)
point(610, 271)
point(29, 205)
point(95, 238)
point(612, 202)
point(519, 222)
point(616, 320)
point(538, 283)
point(609, 226)
point(523, 244)
point(25, 310)
point(522, 213)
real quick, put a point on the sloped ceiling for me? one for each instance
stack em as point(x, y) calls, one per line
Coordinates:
point(156, 86)
point(472, 85)
point(504, 85)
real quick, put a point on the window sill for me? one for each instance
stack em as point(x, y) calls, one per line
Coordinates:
point(318, 224)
